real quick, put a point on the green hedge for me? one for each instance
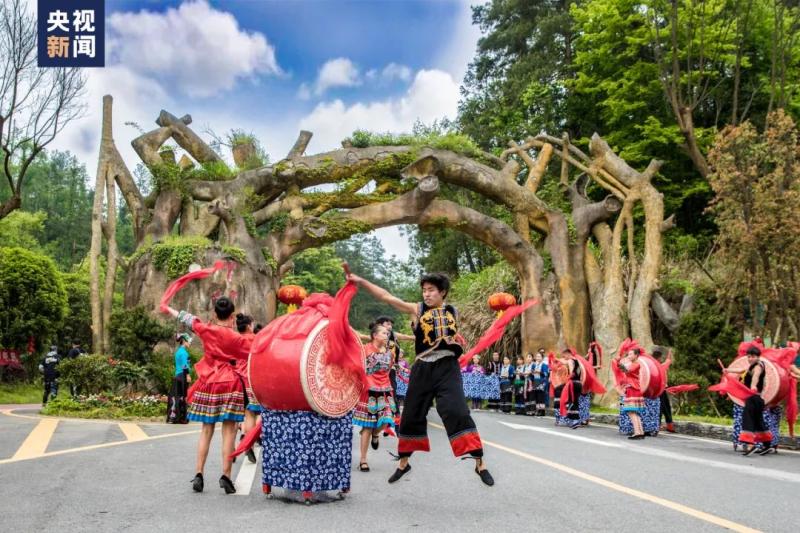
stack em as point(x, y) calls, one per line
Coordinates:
point(108, 407)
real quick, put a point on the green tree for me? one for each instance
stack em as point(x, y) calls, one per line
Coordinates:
point(756, 180)
point(134, 334)
point(23, 230)
point(514, 85)
point(57, 185)
point(78, 322)
point(32, 297)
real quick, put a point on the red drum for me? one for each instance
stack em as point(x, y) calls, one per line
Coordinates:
point(290, 374)
point(652, 380)
point(777, 384)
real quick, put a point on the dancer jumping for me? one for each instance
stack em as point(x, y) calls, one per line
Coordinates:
point(435, 375)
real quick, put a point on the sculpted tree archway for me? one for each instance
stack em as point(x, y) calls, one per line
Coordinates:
point(263, 216)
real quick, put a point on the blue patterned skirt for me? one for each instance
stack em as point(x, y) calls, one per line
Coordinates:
point(772, 419)
point(306, 451)
point(402, 388)
point(584, 402)
point(650, 417)
point(481, 386)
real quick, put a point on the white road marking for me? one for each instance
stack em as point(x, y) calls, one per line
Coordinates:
point(778, 475)
point(246, 476)
point(561, 434)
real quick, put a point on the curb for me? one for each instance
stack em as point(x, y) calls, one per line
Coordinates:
point(699, 429)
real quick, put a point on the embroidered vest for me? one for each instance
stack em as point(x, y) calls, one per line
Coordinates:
point(436, 329)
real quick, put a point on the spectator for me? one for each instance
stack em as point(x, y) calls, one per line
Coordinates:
point(49, 368)
point(75, 352)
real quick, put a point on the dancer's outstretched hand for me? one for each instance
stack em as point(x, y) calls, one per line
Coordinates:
point(355, 279)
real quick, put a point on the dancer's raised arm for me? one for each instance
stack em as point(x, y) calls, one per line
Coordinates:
point(382, 295)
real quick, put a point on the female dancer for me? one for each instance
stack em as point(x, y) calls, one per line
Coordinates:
point(218, 394)
point(245, 326)
point(530, 400)
point(626, 372)
point(520, 381)
point(569, 401)
point(506, 385)
point(541, 375)
point(176, 410)
point(403, 373)
point(376, 408)
point(474, 385)
point(493, 368)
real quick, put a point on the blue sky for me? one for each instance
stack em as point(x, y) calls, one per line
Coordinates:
point(273, 67)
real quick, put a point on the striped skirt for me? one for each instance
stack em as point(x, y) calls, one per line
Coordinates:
point(217, 402)
point(375, 409)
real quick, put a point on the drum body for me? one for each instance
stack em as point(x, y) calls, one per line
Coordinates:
point(652, 380)
point(777, 384)
point(290, 374)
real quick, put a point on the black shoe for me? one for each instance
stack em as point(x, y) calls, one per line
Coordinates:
point(375, 442)
point(226, 483)
point(485, 476)
point(400, 472)
point(767, 450)
point(636, 437)
point(197, 483)
point(251, 455)
point(748, 450)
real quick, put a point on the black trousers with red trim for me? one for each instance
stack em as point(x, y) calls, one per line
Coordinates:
point(440, 381)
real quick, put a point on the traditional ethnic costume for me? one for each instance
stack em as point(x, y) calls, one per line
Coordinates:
point(530, 396)
point(632, 401)
point(569, 401)
point(520, 384)
point(436, 374)
point(218, 395)
point(377, 405)
point(506, 387)
point(558, 379)
point(541, 375)
point(493, 369)
point(475, 384)
point(754, 430)
point(403, 373)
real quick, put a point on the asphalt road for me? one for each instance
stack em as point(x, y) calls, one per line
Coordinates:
point(68, 475)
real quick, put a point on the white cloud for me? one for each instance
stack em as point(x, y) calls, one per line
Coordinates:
point(393, 71)
point(433, 94)
point(304, 93)
point(195, 48)
point(339, 72)
point(136, 99)
point(460, 48)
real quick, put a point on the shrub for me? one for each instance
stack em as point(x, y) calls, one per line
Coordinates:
point(134, 334)
point(89, 373)
point(700, 339)
point(108, 406)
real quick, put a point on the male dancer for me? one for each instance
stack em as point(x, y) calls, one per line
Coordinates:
point(435, 375)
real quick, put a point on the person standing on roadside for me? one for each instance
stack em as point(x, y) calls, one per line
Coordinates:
point(49, 369)
point(74, 352)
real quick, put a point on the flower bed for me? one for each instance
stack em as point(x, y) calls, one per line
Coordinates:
point(109, 406)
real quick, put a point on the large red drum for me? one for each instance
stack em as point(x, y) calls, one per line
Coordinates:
point(777, 384)
point(652, 380)
point(290, 374)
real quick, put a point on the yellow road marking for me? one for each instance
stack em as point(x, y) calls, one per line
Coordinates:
point(132, 431)
point(36, 442)
point(95, 446)
point(700, 515)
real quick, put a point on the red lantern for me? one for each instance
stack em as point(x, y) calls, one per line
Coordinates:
point(292, 296)
point(500, 301)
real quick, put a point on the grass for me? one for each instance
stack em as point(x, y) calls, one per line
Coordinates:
point(701, 419)
point(21, 393)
